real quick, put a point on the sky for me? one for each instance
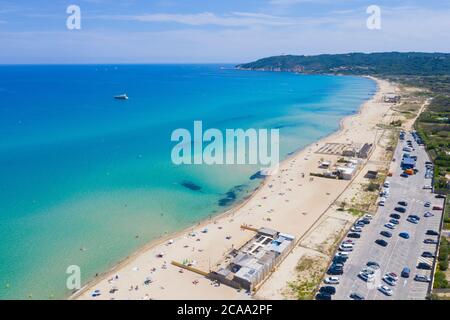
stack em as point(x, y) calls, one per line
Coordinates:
point(214, 31)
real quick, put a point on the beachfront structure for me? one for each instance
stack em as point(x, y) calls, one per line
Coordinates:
point(253, 262)
point(391, 98)
point(346, 173)
point(357, 150)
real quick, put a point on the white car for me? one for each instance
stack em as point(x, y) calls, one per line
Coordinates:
point(346, 247)
point(368, 216)
point(367, 276)
point(387, 184)
point(389, 280)
point(390, 226)
point(381, 203)
point(386, 290)
point(427, 187)
point(331, 280)
point(356, 229)
point(342, 254)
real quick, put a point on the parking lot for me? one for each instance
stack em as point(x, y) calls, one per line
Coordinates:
point(399, 252)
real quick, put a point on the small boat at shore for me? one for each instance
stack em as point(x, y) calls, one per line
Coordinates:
point(121, 97)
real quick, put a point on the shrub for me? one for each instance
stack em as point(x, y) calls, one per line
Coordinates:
point(440, 282)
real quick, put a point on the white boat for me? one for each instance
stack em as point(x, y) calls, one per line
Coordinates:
point(121, 97)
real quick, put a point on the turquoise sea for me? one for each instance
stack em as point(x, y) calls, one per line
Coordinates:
point(86, 180)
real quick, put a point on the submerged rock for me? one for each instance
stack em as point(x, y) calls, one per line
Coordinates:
point(231, 195)
point(190, 185)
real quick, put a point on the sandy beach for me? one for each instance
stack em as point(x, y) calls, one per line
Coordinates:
point(291, 201)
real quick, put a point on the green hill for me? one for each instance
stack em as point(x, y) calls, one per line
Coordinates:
point(386, 63)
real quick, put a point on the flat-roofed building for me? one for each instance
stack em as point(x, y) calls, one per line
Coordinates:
point(253, 262)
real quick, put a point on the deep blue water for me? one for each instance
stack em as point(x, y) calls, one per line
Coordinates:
point(79, 169)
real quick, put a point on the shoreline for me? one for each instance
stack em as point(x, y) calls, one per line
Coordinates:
point(235, 208)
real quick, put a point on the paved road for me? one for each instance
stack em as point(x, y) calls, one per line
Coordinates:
point(399, 252)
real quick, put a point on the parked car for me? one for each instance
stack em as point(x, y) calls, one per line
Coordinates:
point(381, 242)
point(354, 235)
point(368, 277)
point(412, 220)
point(356, 296)
point(428, 214)
point(386, 290)
point(342, 254)
point(430, 241)
point(331, 280)
point(390, 226)
point(373, 265)
point(328, 290)
point(389, 280)
point(427, 187)
point(336, 271)
point(421, 278)
point(437, 208)
point(356, 229)
point(404, 175)
point(413, 216)
point(428, 254)
point(403, 203)
point(424, 266)
point(393, 275)
point(323, 296)
point(395, 216)
point(394, 221)
point(339, 259)
point(400, 209)
point(406, 272)
point(432, 233)
point(404, 235)
point(440, 196)
point(385, 233)
point(427, 204)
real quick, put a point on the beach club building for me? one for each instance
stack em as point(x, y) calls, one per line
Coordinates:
point(253, 262)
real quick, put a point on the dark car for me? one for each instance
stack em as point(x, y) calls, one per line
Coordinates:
point(404, 175)
point(430, 241)
point(335, 270)
point(427, 254)
point(356, 296)
point(365, 221)
point(432, 233)
point(394, 221)
point(423, 266)
point(373, 264)
point(421, 278)
point(354, 235)
point(400, 209)
point(381, 242)
point(405, 272)
point(403, 203)
point(323, 296)
point(328, 290)
point(338, 259)
point(385, 233)
point(440, 196)
point(395, 216)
